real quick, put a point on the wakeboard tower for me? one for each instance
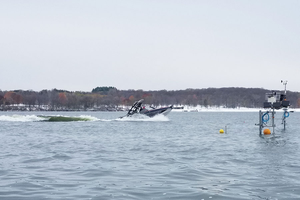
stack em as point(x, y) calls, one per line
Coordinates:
point(137, 108)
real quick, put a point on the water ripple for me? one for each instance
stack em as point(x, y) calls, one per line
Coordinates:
point(183, 157)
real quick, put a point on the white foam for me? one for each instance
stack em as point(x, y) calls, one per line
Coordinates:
point(138, 117)
point(20, 118)
point(89, 117)
point(33, 118)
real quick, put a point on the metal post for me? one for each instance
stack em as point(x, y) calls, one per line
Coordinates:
point(260, 122)
point(273, 120)
point(284, 118)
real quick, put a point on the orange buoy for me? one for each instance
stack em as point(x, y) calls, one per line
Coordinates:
point(267, 131)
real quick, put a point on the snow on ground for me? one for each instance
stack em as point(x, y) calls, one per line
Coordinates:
point(222, 109)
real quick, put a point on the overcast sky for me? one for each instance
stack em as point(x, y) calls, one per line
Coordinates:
point(78, 45)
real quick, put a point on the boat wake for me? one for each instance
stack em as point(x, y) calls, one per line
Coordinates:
point(19, 118)
point(46, 118)
point(141, 117)
point(81, 118)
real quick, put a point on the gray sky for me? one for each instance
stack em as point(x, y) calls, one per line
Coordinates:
point(149, 44)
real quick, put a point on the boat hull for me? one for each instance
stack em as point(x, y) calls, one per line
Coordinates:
point(158, 111)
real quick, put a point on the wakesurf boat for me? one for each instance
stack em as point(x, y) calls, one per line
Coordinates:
point(137, 108)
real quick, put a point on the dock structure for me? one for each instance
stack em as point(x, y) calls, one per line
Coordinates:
point(273, 101)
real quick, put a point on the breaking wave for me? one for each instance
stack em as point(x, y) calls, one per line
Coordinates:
point(20, 118)
point(81, 118)
point(138, 117)
point(46, 118)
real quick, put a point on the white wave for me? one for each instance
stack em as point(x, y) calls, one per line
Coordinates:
point(89, 117)
point(107, 120)
point(138, 117)
point(34, 118)
point(20, 118)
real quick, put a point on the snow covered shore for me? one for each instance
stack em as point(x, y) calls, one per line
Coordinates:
point(222, 109)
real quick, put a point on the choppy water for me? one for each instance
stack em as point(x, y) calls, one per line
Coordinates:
point(182, 156)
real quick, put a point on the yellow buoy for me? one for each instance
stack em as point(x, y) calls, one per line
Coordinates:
point(221, 131)
point(267, 131)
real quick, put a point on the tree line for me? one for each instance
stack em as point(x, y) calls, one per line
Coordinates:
point(110, 98)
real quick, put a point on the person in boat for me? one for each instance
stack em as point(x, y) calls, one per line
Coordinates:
point(143, 109)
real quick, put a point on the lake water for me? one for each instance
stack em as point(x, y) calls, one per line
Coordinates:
point(181, 156)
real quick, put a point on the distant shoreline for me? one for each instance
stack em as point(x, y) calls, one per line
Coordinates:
point(126, 108)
